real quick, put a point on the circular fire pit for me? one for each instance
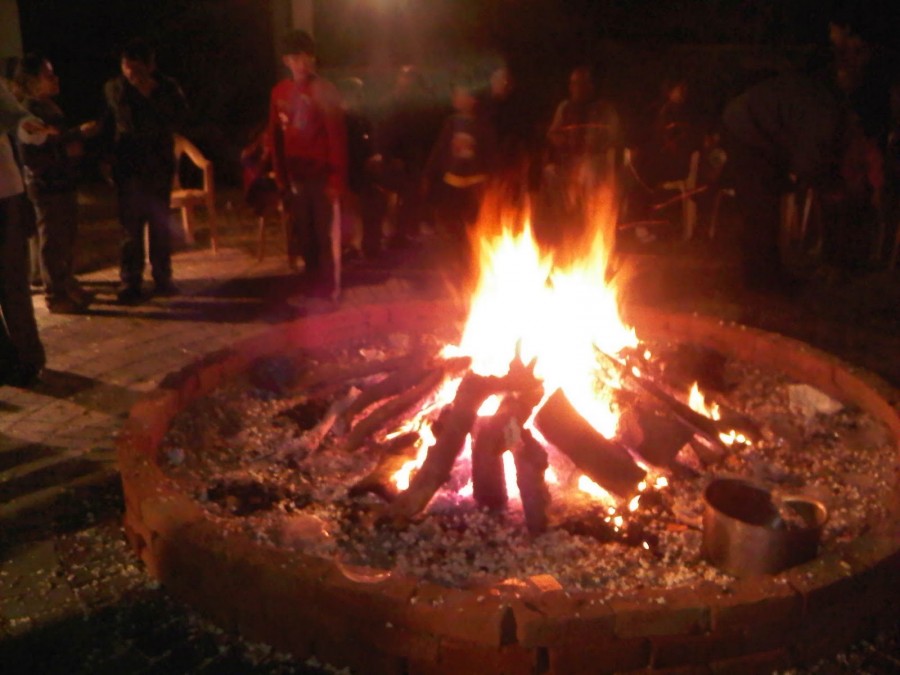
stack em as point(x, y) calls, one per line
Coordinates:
point(374, 621)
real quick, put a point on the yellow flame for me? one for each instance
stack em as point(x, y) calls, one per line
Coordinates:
point(554, 309)
point(509, 469)
point(557, 312)
point(698, 403)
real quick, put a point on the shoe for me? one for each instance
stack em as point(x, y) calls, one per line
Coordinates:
point(64, 304)
point(80, 296)
point(22, 375)
point(165, 289)
point(129, 295)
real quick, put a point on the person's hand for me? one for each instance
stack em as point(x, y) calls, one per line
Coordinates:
point(89, 129)
point(33, 131)
point(34, 127)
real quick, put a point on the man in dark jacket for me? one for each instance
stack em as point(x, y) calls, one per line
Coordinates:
point(146, 108)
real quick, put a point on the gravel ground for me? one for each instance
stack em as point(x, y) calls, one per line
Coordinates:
point(112, 618)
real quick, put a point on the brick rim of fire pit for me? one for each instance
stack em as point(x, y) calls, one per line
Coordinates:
point(311, 606)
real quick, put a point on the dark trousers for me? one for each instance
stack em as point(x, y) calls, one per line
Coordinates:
point(19, 339)
point(758, 188)
point(57, 222)
point(141, 203)
point(310, 214)
point(456, 209)
point(372, 210)
point(406, 184)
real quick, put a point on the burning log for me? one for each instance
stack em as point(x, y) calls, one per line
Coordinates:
point(313, 438)
point(531, 463)
point(652, 434)
point(606, 462)
point(705, 428)
point(472, 393)
point(399, 381)
point(393, 455)
point(398, 405)
point(488, 475)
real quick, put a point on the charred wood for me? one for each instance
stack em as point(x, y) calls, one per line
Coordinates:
point(392, 409)
point(472, 393)
point(488, 474)
point(491, 439)
point(653, 434)
point(398, 382)
point(331, 376)
point(531, 463)
point(606, 462)
point(700, 425)
point(394, 454)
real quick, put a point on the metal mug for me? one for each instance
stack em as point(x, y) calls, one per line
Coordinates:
point(746, 532)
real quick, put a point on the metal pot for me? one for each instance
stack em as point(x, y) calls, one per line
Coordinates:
point(748, 531)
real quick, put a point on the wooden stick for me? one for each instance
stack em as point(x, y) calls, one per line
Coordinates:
point(393, 384)
point(653, 433)
point(312, 439)
point(531, 463)
point(699, 424)
point(605, 462)
point(387, 412)
point(331, 375)
point(488, 475)
point(472, 392)
point(394, 454)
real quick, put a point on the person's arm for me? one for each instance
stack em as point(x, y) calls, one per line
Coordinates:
point(556, 134)
point(336, 128)
point(15, 118)
point(275, 142)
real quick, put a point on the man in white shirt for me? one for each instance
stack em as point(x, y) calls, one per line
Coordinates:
point(21, 352)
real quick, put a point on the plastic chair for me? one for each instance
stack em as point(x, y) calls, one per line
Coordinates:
point(186, 199)
point(687, 187)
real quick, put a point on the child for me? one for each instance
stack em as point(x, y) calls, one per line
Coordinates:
point(51, 173)
point(460, 164)
point(309, 154)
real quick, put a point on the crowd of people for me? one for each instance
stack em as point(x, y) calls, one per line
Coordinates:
point(326, 156)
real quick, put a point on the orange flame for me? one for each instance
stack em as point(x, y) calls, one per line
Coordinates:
point(555, 309)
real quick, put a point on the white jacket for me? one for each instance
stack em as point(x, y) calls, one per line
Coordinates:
point(12, 114)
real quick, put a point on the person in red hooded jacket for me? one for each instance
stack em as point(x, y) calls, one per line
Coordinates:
point(309, 155)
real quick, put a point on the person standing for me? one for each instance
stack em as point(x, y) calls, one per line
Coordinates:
point(309, 155)
point(146, 108)
point(51, 174)
point(584, 144)
point(22, 355)
point(460, 164)
point(406, 130)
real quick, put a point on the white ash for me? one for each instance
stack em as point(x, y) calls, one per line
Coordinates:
point(845, 459)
